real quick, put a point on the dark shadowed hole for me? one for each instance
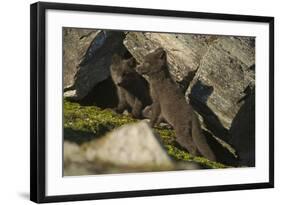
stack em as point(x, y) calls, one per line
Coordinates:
point(103, 95)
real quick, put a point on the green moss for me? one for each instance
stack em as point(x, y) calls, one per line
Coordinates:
point(83, 123)
point(185, 156)
point(168, 138)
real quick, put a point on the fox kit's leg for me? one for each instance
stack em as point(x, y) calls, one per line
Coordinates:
point(137, 109)
point(146, 113)
point(122, 103)
point(200, 141)
point(155, 113)
point(183, 137)
point(160, 119)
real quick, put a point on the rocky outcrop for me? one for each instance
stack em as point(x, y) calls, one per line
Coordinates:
point(75, 44)
point(223, 68)
point(87, 58)
point(182, 53)
point(225, 72)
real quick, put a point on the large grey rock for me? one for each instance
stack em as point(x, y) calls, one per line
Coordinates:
point(242, 48)
point(74, 160)
point(75, 45)
point(225, 72)
point(132, 145)
point(184, 52)
point(75, 163)
point(88, 58)
point(130, 148)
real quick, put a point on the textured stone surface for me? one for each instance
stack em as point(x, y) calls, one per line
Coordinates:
point(242, 48)
point(182, 53)
point(76, 43)
point(89, 66)
point(224, 73)
point(131, 145)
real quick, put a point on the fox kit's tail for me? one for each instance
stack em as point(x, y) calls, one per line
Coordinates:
point(200, 140)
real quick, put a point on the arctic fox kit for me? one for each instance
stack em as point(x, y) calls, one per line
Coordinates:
point(170, 103)
point(132, 88)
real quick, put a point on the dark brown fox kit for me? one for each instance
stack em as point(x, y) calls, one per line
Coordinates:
point(170, 103)
point(132, 88)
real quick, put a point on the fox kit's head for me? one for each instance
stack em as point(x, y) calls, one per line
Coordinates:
point(122, 70)
point(153, 62)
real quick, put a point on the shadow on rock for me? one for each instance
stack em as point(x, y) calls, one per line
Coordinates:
point(221, 151)
point(198, 99)
point(80, 137)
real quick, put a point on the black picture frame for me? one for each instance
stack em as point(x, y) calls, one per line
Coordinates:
point(38, 101)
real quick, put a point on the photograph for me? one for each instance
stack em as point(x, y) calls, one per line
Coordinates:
point(140, 102)
point(146, 101)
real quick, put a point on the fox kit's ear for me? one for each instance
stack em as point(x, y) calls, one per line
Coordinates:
point(116, 59)
point(132, 62)
point(161, 53)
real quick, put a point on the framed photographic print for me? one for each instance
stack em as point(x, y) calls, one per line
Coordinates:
point(129, 102)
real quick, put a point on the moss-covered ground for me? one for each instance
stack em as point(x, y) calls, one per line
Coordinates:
point(83, 123)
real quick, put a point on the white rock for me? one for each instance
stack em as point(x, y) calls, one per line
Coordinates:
point(133, 145)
